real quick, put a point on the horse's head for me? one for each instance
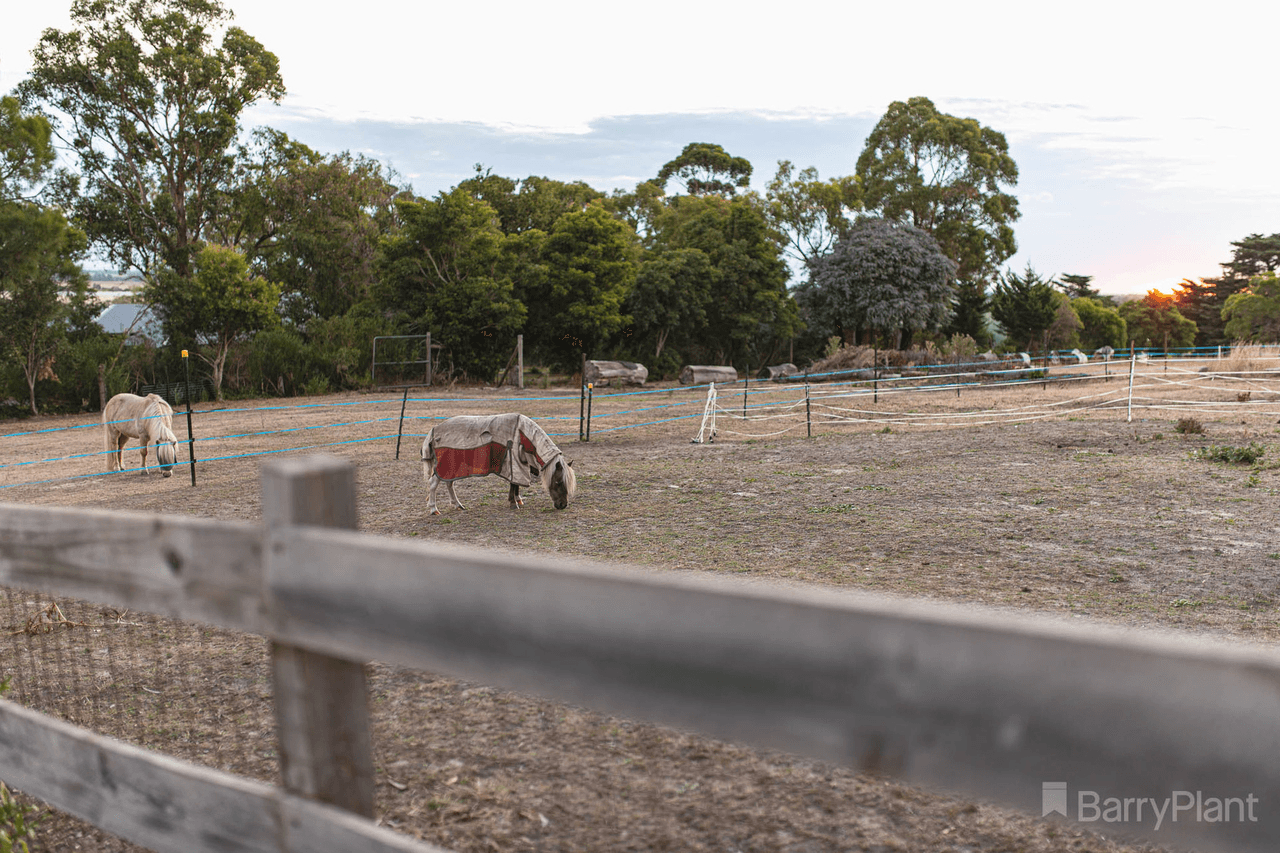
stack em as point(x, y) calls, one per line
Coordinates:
point(167, 456)
point(560, 481)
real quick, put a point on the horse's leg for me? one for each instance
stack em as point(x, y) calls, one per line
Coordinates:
point(449, 487)
point(145, 445)
point(433, 483)
point(113, 451)
point(513, 496)
point(118, 456)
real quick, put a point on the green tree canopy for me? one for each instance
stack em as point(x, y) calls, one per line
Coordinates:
point(1155, 321)
point(704, 168)
point(882, 276)
point(749, 313)
point(1254, 314)
point(809, 213)
point(310, 222)
point(1100, 325)
point(222, 303)
point(669, 299)
point(1026, 306)
point(41, 285)
point(533, 203)
point(449, 271)
point(1203, 301)
point(152, 109)
point(576, 306)
point(946, 176)
point(26, 150)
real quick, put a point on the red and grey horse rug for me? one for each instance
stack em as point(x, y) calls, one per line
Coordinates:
point(510, 446)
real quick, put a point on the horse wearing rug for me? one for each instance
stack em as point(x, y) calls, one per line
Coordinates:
point(511, 446)
point(148, 419)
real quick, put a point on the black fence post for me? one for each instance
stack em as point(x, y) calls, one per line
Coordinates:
point(590, 386)
point(400, 431)
point(808, 415)
point(191, 441)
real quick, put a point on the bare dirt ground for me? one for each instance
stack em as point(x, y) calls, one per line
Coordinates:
point(1082, 514)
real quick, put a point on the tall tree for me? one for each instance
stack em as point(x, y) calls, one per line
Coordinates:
point(26, 151)
point(1026, 306)
point(152, 109)
point(309, 222)
point(1254, 314)
point(749, 313)
point(1155, 321)
point(1204, 301)
point(884, 277)
point(704, 168)
point(221, 304)
point(946, 176)
point(1078, 286)
point(530, 203)
point(669, 300)
point(589, 263)
point(809, 213)
point(969, 314)
point(1101, 325)
point(449, 271)
point(41, 284)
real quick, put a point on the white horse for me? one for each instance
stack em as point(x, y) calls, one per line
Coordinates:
point(510, 446)
point(148, 419)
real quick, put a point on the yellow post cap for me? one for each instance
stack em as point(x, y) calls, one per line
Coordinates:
point(184, 353)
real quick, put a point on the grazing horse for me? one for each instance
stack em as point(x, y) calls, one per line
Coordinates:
point(511, 446)
point(148, 419)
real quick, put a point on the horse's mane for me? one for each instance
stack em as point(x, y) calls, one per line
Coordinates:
point(548, 471)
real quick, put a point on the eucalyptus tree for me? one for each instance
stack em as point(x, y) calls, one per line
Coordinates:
point(26, 151)
point(949, 177)
point(810, 214)
point(149, 106)
point(704, 168)
point(309, 221)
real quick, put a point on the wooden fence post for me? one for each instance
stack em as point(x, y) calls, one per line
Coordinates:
point(322, 702)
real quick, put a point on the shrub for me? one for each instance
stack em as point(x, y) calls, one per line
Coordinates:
point(1232, 455)
point(1188, 426)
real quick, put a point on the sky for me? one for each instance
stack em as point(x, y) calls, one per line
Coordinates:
point(1144, 139)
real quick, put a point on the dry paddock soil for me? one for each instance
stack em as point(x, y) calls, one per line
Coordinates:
point(1081, 513)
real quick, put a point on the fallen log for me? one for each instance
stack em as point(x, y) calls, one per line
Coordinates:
point(601, 373)
point(700, 374)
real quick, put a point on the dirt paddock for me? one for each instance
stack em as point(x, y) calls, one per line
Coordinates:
point(1081, 513)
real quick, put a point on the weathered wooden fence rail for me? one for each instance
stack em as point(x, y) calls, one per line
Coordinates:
point(971, 699)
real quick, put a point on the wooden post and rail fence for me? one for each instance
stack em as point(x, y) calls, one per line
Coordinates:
point(993, 704)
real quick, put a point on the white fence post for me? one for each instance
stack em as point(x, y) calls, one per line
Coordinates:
point(322, 702)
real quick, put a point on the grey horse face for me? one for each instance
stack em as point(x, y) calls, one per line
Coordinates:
point(559, 489)
point(167, 456)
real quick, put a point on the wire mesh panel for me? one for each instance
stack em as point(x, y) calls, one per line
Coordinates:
point(187, 690)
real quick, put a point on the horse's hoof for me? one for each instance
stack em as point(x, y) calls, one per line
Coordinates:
point(436, 512)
